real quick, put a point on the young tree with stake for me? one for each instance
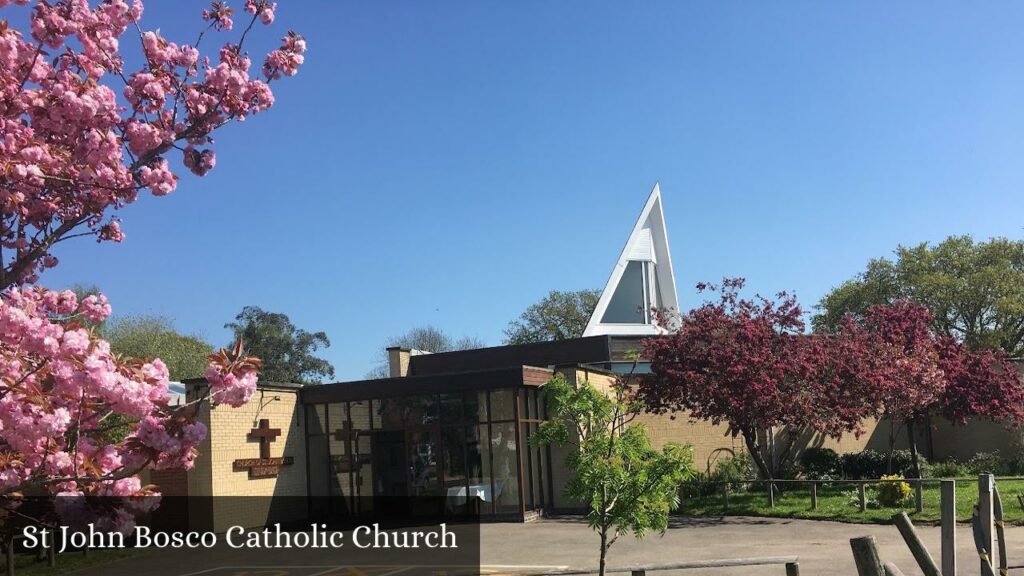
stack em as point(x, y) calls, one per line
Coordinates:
point(626, 484)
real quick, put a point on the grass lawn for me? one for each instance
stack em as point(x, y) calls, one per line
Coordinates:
point(839, 502)
point(27, 565)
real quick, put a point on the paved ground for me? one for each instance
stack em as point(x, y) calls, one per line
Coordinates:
point(823, 549)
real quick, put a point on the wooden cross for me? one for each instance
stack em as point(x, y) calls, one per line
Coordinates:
point(265, 434)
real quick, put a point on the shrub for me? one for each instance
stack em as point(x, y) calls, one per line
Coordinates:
point(987, 462)
point(893, 494)
point(737, 470)
point(821, 464)
point(945, 469)
point(870, 464)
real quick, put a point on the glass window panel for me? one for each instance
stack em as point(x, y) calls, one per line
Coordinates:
point(422, 457)
point(359, 414)
point(454, 456)
point(501, 404)
point(506, 473)
point(364, 467)
point(318, 472)
point(476, 407)
point(628, 302)
point(451, 409)
point(408, 411)
point(528, 490)
point(337, 429)
point(536, 471)
point(478, 465)
point(315, 419)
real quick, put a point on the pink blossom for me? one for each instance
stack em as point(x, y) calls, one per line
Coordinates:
point(95, 308)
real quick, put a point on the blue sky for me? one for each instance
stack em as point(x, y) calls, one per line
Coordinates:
point(449, 163)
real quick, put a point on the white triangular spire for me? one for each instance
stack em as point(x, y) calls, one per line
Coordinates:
point(642, 279)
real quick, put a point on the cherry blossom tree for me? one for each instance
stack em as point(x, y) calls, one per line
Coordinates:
point(80, 137)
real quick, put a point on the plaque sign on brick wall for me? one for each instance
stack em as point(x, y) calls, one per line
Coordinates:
point(264, 466)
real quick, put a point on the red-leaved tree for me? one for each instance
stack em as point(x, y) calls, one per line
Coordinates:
point(925, 374)
point(747, 363)
point(81, 135)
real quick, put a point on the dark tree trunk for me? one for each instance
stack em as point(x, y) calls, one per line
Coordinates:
point(750, 438)
point(892, 445)
point(914, 460)
point(604, 550)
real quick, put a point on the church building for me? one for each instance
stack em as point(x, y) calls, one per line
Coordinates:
point(453, 428)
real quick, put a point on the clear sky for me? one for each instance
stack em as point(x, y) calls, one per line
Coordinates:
point(449, 163)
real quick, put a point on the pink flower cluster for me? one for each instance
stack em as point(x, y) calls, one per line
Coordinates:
point(59, 385)
point(71, 153)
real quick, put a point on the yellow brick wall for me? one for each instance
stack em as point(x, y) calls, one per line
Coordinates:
point(240, 500)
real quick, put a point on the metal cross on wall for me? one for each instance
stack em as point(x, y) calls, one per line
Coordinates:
point(265, 434)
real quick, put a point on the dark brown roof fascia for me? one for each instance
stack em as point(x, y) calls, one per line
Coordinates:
point(509, 377)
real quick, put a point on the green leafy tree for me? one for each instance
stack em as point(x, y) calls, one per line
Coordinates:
point(287, 352)
point(974, 290)
point(156, 337)
point(150, 337)
point(628, 485)
point(425, 338)
point(559, 316)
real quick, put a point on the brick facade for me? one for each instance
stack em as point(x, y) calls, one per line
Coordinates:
point(239, 499)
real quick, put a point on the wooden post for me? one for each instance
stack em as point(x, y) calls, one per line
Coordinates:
point(51, 555)
point(865, 554)
point(919, 496)
point(917, 548)
point(862, 497)
point(725, 495)
point(10, 557)
point(638, 573)
point(948, 510)
point(985, 516)
point(792, 569)
point(814, 495)
point(771, 495)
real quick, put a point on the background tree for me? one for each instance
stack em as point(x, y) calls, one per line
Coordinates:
point(155, 337)
point(287, 352)
point(626, 484)
point(425, 338)
point(974, 291)
point(559, 316)
point(747, 363)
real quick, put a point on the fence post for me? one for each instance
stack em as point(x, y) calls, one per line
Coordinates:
point(919, 495)
point(793, 569)
point(861, 497)
point(10, 557)
point(51, 555)
point(638, 573)
point(917, 548)
point(771, 494)
point(725, 495)
point(865, 554)
point(948, 514)
point(985, 482)
point(814, 495)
